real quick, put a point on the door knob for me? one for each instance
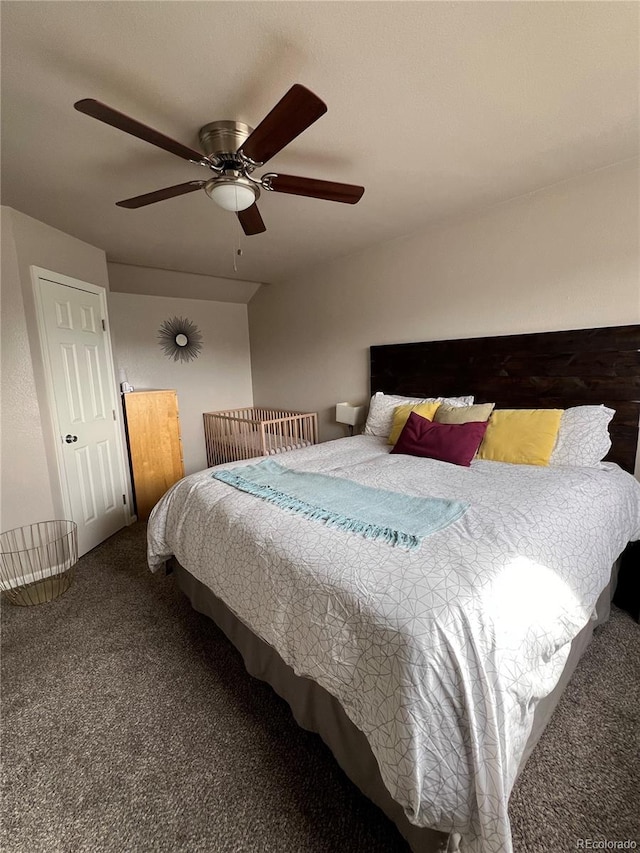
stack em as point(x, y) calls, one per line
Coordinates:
point(70, 438)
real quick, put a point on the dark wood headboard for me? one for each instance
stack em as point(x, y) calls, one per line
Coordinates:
point(545, 370)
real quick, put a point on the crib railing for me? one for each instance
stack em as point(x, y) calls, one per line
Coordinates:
point(244, 433)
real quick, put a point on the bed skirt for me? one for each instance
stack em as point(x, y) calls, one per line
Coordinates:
point(316, 710)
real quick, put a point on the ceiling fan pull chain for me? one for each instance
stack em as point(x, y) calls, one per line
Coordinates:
point(238, 252)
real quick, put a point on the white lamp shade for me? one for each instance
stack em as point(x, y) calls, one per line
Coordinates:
point(347, 413)
point(233, 196)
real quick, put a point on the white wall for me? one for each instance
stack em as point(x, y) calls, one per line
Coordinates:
point(219, 378)
point(29, 483)
point(561, 258)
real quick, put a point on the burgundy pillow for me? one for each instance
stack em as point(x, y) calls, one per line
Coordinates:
point(456, 443)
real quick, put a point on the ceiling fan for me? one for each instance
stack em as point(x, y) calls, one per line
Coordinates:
point(233, 151)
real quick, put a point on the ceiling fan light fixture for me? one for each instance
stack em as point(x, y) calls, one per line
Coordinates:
point(232, 192)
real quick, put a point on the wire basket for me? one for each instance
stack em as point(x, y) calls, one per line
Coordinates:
point(36, 561)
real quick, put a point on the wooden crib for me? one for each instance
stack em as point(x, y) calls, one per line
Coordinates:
point(244, 433)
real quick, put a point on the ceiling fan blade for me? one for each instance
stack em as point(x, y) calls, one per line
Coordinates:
point(313, 188)
point(251, 220)
point(160, 195)
point(102, 112)
point(293, 113)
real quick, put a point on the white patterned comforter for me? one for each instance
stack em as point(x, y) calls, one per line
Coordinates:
point(438, 654)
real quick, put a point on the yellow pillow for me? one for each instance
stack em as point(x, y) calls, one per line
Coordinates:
point(521, 436)
point(401, 416)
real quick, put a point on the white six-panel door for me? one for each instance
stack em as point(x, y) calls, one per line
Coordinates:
point(83, 395)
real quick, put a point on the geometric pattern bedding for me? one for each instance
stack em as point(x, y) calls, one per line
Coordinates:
point(438, 654)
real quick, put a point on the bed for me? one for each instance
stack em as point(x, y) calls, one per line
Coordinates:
point(409, 662)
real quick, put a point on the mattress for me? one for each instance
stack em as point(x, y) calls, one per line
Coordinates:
point(438, 655)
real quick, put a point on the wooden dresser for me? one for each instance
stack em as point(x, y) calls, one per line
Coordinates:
point(155, 447)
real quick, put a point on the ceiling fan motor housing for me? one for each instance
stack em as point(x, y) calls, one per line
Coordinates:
point(220, 140)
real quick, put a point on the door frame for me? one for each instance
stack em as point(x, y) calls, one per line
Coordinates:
point(38, 273)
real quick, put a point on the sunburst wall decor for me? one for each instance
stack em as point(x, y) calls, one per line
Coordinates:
point(180, 339)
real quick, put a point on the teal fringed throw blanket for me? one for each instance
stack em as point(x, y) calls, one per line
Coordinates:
point(373, 513)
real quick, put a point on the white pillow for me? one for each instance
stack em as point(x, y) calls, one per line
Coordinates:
point(583, 437)
point(381, 408)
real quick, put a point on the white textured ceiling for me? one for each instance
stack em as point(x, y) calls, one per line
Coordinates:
point(437, 108)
